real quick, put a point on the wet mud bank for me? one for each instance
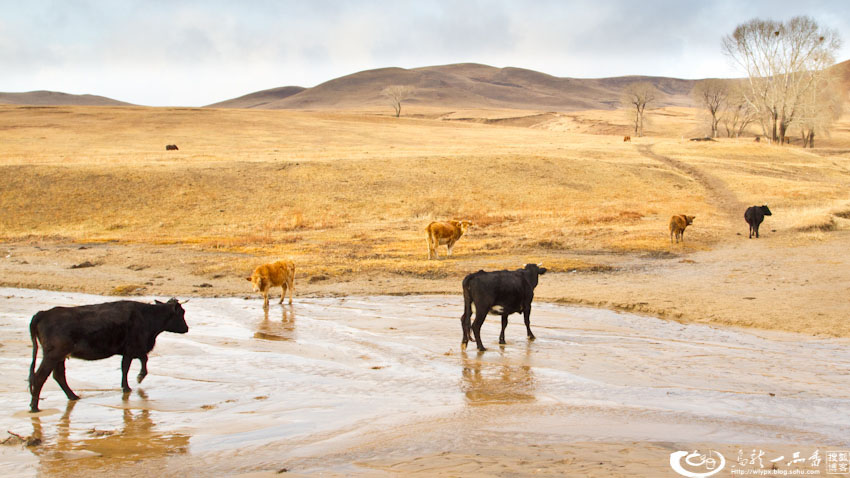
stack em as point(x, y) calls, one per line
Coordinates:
point(379, 386)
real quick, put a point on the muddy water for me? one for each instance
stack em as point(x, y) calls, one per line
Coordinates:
point(339, 386)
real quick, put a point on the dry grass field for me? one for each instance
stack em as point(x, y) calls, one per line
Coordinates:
point(347, 195)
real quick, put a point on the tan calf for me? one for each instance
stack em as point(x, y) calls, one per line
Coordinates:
point(678, 225)
point(448, 232)
point(277, 274)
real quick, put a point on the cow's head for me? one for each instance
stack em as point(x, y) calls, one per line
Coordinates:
point(689, 220)
point(765, 210)
point(176, 321)
point(464, 225)
point(532, 272)
point(258, 281)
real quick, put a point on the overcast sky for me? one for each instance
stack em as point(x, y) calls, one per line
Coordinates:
point(193, 53)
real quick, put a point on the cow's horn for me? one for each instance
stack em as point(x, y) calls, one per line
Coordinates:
point(181, 302)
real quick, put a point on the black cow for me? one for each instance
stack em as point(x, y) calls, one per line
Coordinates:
point(171, 147)
point(754, 216)
point(499, 293)
point(94, 332)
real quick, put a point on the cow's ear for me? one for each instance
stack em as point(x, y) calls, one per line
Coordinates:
point(248, 279)
point(158, 302)
point(542, 271)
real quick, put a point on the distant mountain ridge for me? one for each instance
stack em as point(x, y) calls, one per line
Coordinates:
point(474, 85)
point(55, 98)
point(461, 85)
point(471, 85)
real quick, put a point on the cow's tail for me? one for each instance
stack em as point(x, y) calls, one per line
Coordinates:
point(34, 337)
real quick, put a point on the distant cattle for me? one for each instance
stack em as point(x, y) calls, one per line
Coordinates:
point(501, 293)
point(627, 139)
point(277, 274)
point(94, 332)
point(439, 233)
point(678, 225)
point(758, 139)
point(171, 147)
point(754, 217)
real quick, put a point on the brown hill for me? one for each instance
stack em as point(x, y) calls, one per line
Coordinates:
point(842, 75)
point(470, 85)
point(259, 99)
point(55, 98)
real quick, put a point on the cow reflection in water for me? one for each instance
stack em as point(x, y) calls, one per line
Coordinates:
point(273, 329)
point(76, 452)
point(497, 383)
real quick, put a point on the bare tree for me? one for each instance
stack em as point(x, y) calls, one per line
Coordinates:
point(396, 94)
point(737, 114)
point(636, 97)
point(783, 62)
point(819, 110)
point(712, 94)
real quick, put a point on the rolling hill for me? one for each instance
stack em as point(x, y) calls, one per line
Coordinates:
point(54, 98)
point(469, 85)
point(259, 99)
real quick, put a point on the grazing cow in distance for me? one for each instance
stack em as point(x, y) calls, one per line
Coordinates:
point(754, 217)
point(500, 293)
point(678, 225)
point(439, 233)
point(627, 139)
point(94, 332)
point(171, 147)
point(277, 274)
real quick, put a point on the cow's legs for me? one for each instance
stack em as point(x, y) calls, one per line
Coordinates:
point(144, 371)
point(480, 315)
point(527, 313)
point(283, 292)
point(266, 299)
point(504, 325)
point(449, 247)
point(125, 369)
point(59, 376)
point(37, 381)
point(464, 325)
point(751, 231)
point(756, 227)
point(291, 288)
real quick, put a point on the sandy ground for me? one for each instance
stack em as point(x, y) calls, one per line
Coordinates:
point(377, 386)
point(778, 282)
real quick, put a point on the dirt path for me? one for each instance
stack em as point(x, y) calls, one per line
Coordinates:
point(720, 195)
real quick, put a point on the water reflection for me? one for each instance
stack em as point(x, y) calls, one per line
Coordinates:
point(505, 382)
point(277, 330)
point(77, 451)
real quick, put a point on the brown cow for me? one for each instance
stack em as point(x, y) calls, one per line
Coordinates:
point(627, 139)
point(171, 147)
point(277, 274)
point(678, 225)
point(439, 233)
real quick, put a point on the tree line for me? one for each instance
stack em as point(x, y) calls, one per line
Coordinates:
point(788, 84)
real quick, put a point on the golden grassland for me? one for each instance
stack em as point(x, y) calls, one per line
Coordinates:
point(351, 192)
